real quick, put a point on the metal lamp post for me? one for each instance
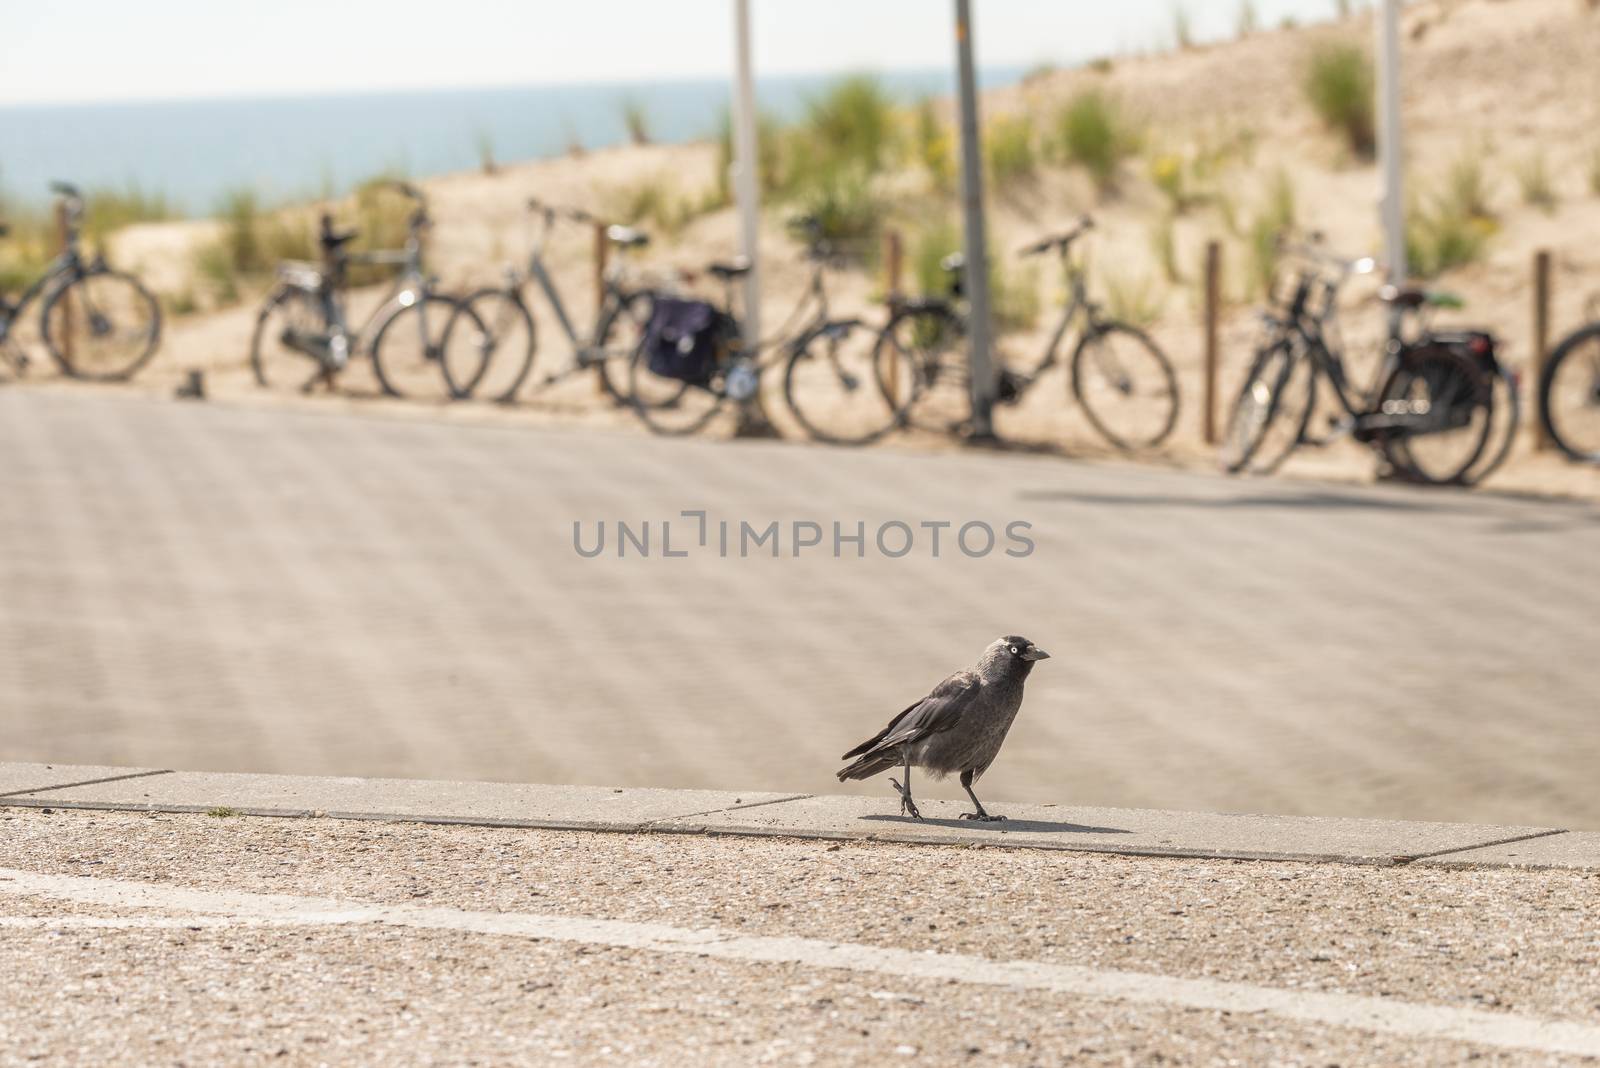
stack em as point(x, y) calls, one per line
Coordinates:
point(977, 247)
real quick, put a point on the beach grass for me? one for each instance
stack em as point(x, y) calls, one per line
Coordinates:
point(1092, 131)
point(1339, 86)
point(1010, 152)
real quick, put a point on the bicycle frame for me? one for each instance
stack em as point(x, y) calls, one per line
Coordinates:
point(1308, 326)
point(583, 345)
point(330, 291)
point(1077, 302)
point(781, 341)
point(60, 271)
point(67, 265)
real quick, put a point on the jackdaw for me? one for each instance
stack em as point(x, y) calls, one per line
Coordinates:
point(958, 727)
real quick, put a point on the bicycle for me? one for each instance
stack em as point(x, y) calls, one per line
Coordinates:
point(810, 342)
point(1429, 409)
point(97, 323)
point(510, 341)
point(302, 335)
point(1569, 393)
point(1119, 376)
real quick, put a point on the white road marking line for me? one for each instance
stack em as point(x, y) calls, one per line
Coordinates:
point(133, 923)
point(1385, 1015)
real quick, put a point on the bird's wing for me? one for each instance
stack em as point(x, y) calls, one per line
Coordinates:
point(937, 712)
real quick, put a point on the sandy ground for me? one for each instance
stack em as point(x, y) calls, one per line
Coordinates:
point(1506, 80)
point(1506, 942)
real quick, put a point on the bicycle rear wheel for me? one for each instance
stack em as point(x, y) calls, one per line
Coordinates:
point(1272, 410)
point(411, 349)
point(1569, 395)
point(618, 336)
point(289, 331)
point(1448, 403)
point(920, 365)
point(1125, 385)
point(832, 389)
point(102, 325)
point(669, 406)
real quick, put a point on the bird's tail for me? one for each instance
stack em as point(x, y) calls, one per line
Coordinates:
point(868, 766)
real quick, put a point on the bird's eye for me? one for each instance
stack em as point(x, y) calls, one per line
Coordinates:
point(1013, 649)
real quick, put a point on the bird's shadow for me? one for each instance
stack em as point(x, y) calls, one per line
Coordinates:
point(1024, 826)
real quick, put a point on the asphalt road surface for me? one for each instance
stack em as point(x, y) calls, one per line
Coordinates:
point(209, 587)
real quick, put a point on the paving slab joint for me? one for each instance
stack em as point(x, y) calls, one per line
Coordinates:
point(651, 824)
point(87, 782)
point(1483, 845)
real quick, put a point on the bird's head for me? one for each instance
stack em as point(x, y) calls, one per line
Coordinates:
point(1012, 653)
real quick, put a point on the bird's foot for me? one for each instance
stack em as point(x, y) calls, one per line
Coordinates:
point(982, 817)
point(908, 807)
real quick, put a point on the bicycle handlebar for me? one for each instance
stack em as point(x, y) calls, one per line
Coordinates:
point(577, 215)
point(406, 189)
point(1313, 250)
point(390, 257)
point(1059, 240)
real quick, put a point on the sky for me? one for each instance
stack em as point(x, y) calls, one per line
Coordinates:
point(109, 50)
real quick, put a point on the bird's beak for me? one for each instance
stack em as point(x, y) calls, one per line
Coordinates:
point(1036, 653)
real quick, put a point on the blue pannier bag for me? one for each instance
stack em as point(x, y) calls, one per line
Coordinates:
point(684, 339)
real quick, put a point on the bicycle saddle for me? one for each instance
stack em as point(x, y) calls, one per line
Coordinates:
point(1413, 296)
point(626, 236)
point(330, 238)
point(1404, 296)
point(735, 269)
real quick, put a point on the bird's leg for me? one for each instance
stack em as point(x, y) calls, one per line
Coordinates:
point(981, 816)
point(908, 807)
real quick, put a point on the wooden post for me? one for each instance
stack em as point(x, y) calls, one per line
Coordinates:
point(602, 249)
point(64, 324)
point(1213, 285)
point(893, 260)
point(1541, 337)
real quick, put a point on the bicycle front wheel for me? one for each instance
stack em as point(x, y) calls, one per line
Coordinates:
point(415, 356)
point(832, 389)
point(102, 325)
point(1271, 412)
point(1569, 395)
point(498, 323)
point(1125, 385)
point(1506, 419)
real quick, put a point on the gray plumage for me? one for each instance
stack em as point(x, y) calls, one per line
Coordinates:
point(959, 727)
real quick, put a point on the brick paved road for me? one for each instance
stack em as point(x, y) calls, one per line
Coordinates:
point(207, 587)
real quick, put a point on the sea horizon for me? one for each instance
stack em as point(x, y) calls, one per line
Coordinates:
point(284, 147)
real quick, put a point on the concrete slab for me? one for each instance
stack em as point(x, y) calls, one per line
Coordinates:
point(1571, 849)
point(1147, 832)
point(483, 803)
point(1144, 832)
point(16, 778)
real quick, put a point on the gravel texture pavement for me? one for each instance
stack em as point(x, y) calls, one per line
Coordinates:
point(1505, 941)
